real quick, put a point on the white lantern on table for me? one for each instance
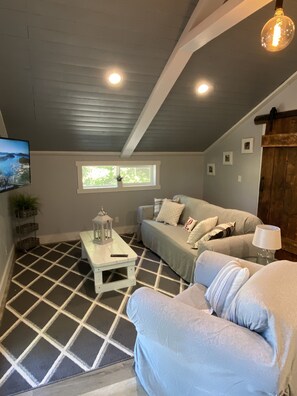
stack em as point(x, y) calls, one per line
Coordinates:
point(102, 228)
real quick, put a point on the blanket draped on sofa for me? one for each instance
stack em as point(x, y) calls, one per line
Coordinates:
point(170, 242)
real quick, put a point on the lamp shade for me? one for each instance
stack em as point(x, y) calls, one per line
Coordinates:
point(267, 237)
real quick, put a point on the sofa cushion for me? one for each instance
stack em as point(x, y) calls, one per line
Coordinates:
point(201, 229)
point(170, 244)
point(224, 287)
point(170, 212)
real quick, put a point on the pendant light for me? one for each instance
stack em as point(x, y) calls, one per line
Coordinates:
point(279, 31)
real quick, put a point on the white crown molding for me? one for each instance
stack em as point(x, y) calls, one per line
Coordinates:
point(268, 98)
point(117, 154)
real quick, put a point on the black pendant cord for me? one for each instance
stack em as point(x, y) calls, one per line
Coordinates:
point(279, 4)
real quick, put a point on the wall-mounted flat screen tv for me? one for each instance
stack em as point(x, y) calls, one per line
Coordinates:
point(14, 164)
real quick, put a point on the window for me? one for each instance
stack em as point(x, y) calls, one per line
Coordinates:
point(117, 176)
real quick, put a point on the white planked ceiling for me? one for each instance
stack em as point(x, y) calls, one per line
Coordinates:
point(55, 54)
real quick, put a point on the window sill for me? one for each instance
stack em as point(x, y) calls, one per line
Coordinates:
point(117, 189)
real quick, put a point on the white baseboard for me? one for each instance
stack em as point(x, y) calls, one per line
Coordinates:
point(71, 236)
point(5, 276)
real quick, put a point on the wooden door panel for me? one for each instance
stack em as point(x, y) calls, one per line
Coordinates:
point(290, 197)
point(278, 187)
point(284, 125)
point(265, 184)
point(276, 207)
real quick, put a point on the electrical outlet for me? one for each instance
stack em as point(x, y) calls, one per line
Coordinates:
point(239, 179)
point(117, 219)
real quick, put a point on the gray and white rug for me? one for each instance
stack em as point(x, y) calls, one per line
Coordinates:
point(55, 326)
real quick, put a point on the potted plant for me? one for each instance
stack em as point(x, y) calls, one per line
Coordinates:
point(25, 205)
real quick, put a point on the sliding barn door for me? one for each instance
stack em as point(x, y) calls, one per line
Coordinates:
point(278, 187)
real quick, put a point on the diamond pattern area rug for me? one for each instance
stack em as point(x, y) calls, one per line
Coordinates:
point(55, 326)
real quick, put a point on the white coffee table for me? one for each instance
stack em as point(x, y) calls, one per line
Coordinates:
point(99, 257)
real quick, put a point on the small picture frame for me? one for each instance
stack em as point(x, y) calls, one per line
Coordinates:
point(211, 169)
point(247, 145)
point(228, 158)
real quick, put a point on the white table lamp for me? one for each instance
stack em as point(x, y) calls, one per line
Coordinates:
point(268, 239)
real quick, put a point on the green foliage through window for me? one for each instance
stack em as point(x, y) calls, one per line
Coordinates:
point(119, 176)
point(99, 176)
point(136, 175)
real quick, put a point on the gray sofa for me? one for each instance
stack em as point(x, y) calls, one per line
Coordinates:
point(170, 242)
point(181, 350)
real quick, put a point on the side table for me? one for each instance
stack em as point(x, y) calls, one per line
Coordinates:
point(258, 260)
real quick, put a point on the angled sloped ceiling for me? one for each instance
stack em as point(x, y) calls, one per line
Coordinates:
point(55, 53)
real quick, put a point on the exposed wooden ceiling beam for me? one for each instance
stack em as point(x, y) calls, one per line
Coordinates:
point(209, 20)
point(224, 18)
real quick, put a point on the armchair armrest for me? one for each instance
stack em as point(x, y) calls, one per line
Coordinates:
point(209, 263)
point(205, 342)
point(145, 212)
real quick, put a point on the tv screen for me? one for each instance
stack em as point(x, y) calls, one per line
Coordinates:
point(14, 164)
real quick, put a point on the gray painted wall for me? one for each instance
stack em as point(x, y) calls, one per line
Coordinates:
point(63, 210)
point(224, 189)
point(6, 236)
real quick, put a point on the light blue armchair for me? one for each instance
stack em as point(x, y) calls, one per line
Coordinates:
point(182, 350)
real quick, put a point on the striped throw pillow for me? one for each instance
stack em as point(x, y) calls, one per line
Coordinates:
point(158, 202)
point(220, 231)
point(225, 286)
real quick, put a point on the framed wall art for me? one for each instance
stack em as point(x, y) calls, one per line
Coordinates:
point(247, 145)
point(211, 169)
point(228, 158)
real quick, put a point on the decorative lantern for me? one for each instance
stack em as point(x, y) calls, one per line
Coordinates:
point(102, 228)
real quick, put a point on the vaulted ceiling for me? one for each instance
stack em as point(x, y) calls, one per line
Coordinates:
point(55, 55)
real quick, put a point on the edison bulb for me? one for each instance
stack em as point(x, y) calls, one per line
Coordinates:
point(278, 32)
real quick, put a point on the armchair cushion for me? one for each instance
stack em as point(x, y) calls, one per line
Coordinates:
point(224, 287)
point(194, 296)
point(264, 297)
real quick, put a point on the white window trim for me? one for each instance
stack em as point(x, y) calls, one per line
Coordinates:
point(118, 188)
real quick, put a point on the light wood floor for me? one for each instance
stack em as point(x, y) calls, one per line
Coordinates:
point(116, 380)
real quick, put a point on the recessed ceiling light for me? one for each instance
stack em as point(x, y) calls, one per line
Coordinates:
point(114, 78)
point(202, 89)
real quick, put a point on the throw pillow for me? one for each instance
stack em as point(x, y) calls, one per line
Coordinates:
point(253, 305)
point(220, 231)
point(170, 212)
point(190, 224)
point(158, 204)
point(225, 286)
point(201, 229)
